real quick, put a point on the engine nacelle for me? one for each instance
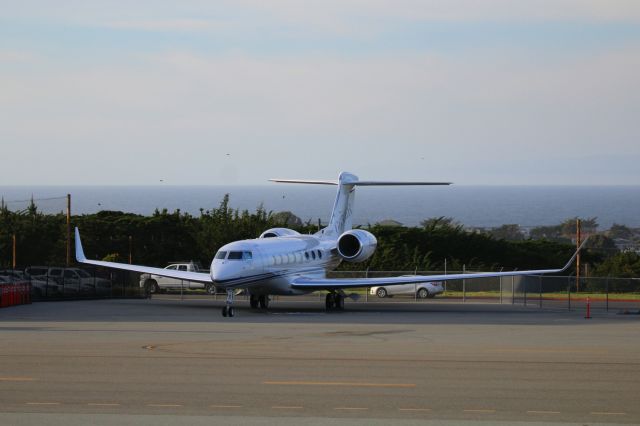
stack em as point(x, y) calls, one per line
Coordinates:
point(356, 245)
point(278, 232)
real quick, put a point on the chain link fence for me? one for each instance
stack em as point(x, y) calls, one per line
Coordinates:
point(544, 291)
point(553, 292)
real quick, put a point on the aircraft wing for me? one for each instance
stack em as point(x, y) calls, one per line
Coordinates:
point(338, 283)
point(171, 273)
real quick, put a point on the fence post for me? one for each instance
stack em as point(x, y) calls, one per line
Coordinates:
point(540, 285)
point(607, 293)
point(464, 284)
point(366, 295)
point(513, 290)
point(501, 290)
point(568, 293)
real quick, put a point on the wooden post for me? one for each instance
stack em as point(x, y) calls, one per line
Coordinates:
point(13, 263)
point(68, 230)
point(578, 238)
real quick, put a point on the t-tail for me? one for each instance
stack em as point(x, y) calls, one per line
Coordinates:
point(342, 214)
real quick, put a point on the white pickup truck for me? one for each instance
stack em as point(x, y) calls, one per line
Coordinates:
point(155, 283)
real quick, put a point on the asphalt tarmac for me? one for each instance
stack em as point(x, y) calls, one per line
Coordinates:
point(167, 361)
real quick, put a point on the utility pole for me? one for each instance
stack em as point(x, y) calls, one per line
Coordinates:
point(68, 230)
point(13, 263)
point(578, 238)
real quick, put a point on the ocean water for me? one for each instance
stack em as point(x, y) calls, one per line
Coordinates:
point(476, 206)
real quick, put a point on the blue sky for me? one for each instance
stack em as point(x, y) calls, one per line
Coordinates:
point(226, 92)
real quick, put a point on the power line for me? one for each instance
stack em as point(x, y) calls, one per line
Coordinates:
point(34, 199)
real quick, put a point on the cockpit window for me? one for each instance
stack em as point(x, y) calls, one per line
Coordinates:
point(235, 255)
point(240, 255)
point(221, 255)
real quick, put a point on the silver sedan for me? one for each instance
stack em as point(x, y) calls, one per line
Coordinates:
point(421, 290)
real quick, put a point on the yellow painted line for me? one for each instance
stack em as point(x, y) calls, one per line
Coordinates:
point(351, 408)
point(414, 409)
point(17, 379)
point(285, 407)
point(479, 411)
point(542, 412)
point(43, 403)
point(102, 404)
point(604, 413)
point(349, 384)
point(164, 405)
point(225, 406)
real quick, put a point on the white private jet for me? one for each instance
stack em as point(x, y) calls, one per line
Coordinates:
point(284, 262)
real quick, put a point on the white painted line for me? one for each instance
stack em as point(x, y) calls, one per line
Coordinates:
point(164, 405)
point(43, 403)
point(348, 384)
point(17, 379)
point(604, 413)
point(542, 412)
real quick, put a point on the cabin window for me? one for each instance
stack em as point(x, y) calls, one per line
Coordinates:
point(319, 254)
point(306, 255)
point(247, 255)
point(313, 254)
point(221, 255)
point(235, 255)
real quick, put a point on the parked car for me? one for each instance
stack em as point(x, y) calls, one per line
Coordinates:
point(72, 281)
point(40, 286)
point(422, 290)
point(152, 283)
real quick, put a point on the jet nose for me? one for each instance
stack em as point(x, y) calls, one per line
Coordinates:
point(219, 273)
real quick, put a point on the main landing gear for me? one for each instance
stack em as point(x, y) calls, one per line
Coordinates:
point(259, 301)
point(334, 302)
point(228, 310)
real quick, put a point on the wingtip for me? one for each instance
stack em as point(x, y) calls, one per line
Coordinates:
point(80, 257)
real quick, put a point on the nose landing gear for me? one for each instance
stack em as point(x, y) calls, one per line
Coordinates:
point(227, 310)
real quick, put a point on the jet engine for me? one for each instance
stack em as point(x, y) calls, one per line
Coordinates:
point(278, 232)
point(356, 245)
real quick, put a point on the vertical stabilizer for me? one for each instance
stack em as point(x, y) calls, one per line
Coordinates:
point(341, 215)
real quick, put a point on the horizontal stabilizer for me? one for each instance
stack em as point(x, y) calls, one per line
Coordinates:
point(312, 182)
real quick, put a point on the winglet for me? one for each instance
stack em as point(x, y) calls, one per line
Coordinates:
point(570, 262)
point(80, 257)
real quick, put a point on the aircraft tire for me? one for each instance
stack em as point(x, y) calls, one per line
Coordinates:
point(231, 312)
point(339, 302)
point(264, 301)
point(254, 302)
point(381, 292)
point(330, 301)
